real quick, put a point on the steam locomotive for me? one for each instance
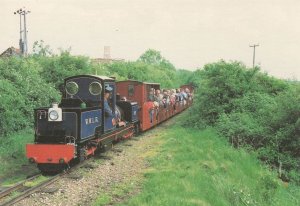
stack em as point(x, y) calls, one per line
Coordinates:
point(88, 119)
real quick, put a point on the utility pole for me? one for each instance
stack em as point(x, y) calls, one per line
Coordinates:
point(254, 45)
point(23, 38)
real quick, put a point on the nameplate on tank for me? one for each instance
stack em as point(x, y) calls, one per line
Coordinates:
point(90, 120)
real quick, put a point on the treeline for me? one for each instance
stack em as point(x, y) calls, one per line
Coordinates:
point(252, 110)
point(31, 82)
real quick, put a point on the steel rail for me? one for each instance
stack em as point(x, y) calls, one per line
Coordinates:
point(31, 190)
point(45, 183)
point(16, 186)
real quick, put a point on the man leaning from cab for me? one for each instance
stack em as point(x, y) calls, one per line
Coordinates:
point(107, 109)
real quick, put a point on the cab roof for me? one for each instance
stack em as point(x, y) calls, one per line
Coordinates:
point(104, 78)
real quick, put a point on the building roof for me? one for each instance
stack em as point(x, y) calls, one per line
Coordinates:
point(11, 51)
point(106, 60)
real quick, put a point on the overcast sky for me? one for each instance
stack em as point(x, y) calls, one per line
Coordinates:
point(190, 33)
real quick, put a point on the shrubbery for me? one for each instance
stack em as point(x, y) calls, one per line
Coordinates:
point(251, 108)
point(57, 68)
point(21, 90)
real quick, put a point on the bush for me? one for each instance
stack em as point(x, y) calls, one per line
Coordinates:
point(220, 85)
point(22, 89)
point(241, 129)
point(57, 68)
point(250, 108)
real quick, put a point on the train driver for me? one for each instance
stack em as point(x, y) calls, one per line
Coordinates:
point(107, 109)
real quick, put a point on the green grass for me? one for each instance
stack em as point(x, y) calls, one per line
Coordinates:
point(197, 167)
point(36, 181)
point(12, 156)
point(119, 191)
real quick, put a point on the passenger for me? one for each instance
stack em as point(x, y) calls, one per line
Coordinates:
point(166, 98)
point(169, 95)
point(123, 99)
point(187, 90)
point(172, 96)
point(149, 105)
point(178, 95)
point(184, 96)
point(189, 95)
point(107, 110)
point(155, 104)
point(151, 95)
point(158, 97)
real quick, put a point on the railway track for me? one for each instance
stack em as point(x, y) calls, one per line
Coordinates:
point(26, 192)
point(16, 187)
point(7, 198)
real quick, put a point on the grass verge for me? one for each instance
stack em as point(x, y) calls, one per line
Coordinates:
point(200, 168)
point(14, 165)
point(116, 193)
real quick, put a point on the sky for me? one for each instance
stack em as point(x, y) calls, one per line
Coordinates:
point(189, 33)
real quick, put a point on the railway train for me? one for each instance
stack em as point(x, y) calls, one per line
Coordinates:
point(94, 112)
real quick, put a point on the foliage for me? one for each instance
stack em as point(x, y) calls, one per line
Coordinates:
point(39, 49)
point(21, 90)
point(251, 108)
point(221, 83)
point(150, 67)
point(57, 68)
point(144, 72)
point(13, 157)
point(153, 57)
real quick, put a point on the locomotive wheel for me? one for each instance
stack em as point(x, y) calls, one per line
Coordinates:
point(82, 155)
point(105, 147)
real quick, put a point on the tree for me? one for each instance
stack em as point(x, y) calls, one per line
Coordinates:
point(154, 57)
point(40, 49)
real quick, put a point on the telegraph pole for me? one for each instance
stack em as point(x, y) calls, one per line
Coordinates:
point(254, 45)
point(23, 38)
point(25, 33)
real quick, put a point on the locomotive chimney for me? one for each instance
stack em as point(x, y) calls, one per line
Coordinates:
point(54, 105)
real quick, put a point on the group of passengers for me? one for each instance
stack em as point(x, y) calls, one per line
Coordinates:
point(168, 97)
